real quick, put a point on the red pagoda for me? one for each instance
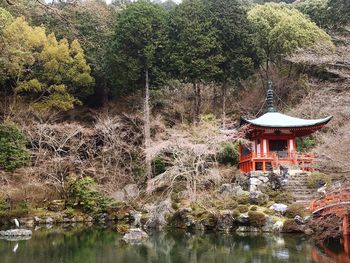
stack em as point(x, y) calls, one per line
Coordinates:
point(272, 139)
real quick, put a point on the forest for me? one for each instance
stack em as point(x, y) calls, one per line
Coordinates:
point(136, 102)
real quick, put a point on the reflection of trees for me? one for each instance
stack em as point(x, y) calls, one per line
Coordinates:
point(104, 246)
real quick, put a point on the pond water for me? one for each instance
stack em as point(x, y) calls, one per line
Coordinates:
point(97, 245)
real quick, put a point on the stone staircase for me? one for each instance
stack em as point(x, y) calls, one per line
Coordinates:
point(297, 186)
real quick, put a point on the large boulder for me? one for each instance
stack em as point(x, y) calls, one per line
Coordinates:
point(279, 208)
point(16, 232)
point(158, 214)
point(135, 236)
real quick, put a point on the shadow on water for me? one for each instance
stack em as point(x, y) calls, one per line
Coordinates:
point(90, 245)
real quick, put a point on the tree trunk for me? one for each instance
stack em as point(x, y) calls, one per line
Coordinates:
point(197, 103)
point(147, 128)
point(224, 89)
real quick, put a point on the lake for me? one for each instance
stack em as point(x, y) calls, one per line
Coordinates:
point(87, 245)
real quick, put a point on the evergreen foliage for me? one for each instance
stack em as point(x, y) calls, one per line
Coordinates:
point(13, 152)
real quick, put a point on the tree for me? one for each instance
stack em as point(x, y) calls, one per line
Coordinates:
point(281, 29)
point(139, 38)
point(326, 13)
point(88, 21)
point(46, 73)
point(234, 36)
point(194, 50)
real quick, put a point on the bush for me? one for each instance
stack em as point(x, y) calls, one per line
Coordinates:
point(254, 208)
point(159, 166)
point(280, 197)
point(13, 152)
point(256, 219)
point(269, 212)
point(83, 192)
point(294, 210)
point(235, 213)
point(243, 199)
point(228, 153)
point(317, 179)
point(242, 208)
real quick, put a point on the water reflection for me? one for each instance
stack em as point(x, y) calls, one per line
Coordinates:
point(334, 251)
point(81, 245)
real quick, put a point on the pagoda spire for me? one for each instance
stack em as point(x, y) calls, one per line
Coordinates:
point(269, 97)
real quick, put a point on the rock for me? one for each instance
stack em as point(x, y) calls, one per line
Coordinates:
point(131, 191)
point(277, 227)
point(243, 219)
point(299, 220)
point(279, 208)
point(49, 220)
point(225, 220)
point(158, 214)
point(135, 236)
point(308, 231)
point(259, 198)
point(268, 227)
point(230, 190)
point(136, 217)
point(56, 206)
point(255, 181)
point(16, 232)
point(38, 220)
point(118, 196)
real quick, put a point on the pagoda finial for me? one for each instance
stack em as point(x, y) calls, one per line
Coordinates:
point(269, 97)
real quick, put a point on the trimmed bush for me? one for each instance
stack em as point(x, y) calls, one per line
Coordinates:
point(235, 213)
point(13, 152)
point(228, 153)
point(256, 219)
point(317, 179)
point(295, 210)
point(243, 199)
point(242, 208)
point(254, 208)
point(280, 197)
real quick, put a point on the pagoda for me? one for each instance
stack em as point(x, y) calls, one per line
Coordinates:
point(272, 140)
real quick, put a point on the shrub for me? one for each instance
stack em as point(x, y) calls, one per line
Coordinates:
point(159, 166)
point(294, 210)
point(317, 179)
point(243, 199)
point(235, 213)
point(269, 211)
point(69, 212)
point(256, 219)
point(83, 192)
point(228, 153)
point(280, 197)
point(242, 208)
point(254, 208)
point(13, 152)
